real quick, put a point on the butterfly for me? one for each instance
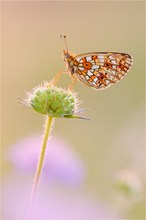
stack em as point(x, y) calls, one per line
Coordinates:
point(98, 70)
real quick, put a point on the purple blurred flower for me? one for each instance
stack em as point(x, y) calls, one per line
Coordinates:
point(53, 201)
point(61, 163)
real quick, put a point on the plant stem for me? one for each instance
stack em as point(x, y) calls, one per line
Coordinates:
point(40, 163)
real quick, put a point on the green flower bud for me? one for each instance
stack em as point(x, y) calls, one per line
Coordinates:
point(53, 101)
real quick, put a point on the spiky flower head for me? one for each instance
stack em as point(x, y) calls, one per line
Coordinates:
point(53, 101)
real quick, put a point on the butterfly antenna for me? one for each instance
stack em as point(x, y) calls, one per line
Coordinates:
point(65, 42)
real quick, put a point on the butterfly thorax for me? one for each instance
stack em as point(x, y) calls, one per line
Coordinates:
point(72, 63)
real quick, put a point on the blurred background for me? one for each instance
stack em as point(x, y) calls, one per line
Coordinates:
point(94, 169)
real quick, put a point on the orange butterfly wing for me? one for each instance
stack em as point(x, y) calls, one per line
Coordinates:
point(102, 69)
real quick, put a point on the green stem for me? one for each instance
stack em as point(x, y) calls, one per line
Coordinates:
point(40, 163)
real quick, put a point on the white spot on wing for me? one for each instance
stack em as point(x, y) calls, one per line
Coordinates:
point(81, 68)
point(101, 60)
point(129, 59)
point(113, 61)
point(100, 56)
point(88, 58)
point(107, 81)
point(113, 72)
point(93, 83)
point(91, 70)
point(95, 79)
point(87, 77)
point(89, 73)
point(79, 59)
point(111, 77)
point(111, 57)
point(95, 67)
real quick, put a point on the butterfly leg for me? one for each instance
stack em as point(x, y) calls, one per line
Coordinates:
point(71, 85)
point(56, 78)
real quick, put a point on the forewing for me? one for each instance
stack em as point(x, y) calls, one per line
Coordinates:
point(100, 70)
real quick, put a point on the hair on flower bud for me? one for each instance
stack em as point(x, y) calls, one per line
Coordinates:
point(53, 101)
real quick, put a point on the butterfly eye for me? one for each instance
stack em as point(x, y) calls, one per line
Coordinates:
point(66, 56)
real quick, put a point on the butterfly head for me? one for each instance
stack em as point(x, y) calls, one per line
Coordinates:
point(66, 55)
